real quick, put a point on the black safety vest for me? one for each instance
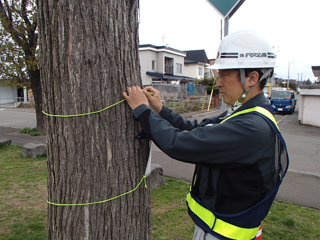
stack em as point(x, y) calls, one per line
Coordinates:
point(243, 225)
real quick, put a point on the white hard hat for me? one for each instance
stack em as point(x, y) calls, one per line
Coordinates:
point(244, 49)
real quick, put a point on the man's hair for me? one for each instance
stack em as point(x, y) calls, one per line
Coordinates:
point(263, 82)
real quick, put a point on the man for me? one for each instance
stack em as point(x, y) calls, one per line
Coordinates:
point(238, 167)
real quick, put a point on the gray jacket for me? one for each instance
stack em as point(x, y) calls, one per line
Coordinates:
point(235, 159)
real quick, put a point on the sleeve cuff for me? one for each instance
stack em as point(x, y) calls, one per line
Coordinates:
point(137, 111)
point(165, 111)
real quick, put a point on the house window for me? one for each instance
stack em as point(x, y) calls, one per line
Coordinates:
point(200, 71)
point(179, 68)
point(153, 64)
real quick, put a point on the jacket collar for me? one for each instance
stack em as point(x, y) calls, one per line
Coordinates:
point(259, 99)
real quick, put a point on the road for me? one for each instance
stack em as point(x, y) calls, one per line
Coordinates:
point(303, 143)
point(300, 186)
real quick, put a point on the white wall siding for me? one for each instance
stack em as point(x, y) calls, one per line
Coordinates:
point(309, 105)
point(145, 64)
point(7, 95)
point(192, 70)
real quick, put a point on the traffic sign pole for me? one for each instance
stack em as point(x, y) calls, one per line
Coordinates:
point(226, 8)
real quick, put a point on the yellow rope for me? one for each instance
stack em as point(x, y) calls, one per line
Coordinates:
point(84, 114)
point(84, 204)
point(103, 201)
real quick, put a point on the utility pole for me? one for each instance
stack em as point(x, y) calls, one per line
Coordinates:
point(288, 75)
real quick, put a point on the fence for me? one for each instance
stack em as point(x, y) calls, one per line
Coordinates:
point(183, 98)
point(178, 97)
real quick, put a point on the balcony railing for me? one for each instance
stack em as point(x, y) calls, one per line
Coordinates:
point(168, 69)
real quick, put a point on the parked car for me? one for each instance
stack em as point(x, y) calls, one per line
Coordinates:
point(283, 101)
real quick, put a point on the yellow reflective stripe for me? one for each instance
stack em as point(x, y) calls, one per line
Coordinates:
point(261, 110)
point(266, 113)
point(221, 227)
point(204, 214)
point(231, 231)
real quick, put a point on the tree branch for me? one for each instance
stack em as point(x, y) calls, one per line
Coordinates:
point(9, 16)
point(23, 13)
point(7, 24)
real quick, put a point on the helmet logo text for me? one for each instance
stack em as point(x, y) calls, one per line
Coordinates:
point(253, 55)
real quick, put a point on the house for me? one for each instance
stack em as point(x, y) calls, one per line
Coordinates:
point(162, 64)
point(12, 96)
point(196, 63)
point(309, 102)
point(7, 94)
point(316, 72)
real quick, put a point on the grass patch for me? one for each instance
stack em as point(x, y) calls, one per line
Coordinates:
point(31, 131)
point(169, 218)
point(23, 195)
point(23, 206)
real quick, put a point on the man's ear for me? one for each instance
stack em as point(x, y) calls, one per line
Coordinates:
point(253, 78)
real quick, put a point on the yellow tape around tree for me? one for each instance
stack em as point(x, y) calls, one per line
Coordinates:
point(103, 201)
point(84, 114)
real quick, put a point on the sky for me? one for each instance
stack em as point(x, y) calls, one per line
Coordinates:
point(290, 26)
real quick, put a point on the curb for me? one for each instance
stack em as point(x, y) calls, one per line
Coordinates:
point(18, 109)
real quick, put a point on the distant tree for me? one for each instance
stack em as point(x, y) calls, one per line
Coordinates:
point(293, 86)
point(13, 70)
point(308, 82)
point(209, 82)
point(282, 84)
point(19, 41)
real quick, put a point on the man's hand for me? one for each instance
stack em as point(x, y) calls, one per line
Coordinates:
point(154, 99)
point(135, 97)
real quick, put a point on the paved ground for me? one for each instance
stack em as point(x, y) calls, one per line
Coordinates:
point(300, 186)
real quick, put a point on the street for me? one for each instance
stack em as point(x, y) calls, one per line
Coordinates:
point(300, 186)
point(303, 142)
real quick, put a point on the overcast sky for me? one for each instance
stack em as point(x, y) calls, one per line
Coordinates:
point(291, 26)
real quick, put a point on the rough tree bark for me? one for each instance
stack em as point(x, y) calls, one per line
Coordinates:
point(88, 56)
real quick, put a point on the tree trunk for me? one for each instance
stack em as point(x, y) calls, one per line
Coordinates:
point(88, 56)
point(34, 77)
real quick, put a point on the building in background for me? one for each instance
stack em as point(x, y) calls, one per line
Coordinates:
point(316, 72)
point(196, 63)
point(162, 64)
point(7, 94)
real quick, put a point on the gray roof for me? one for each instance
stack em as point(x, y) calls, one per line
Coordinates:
point(196, 56)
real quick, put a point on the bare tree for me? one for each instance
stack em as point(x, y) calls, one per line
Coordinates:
point(88, 56)
point(19, 41)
